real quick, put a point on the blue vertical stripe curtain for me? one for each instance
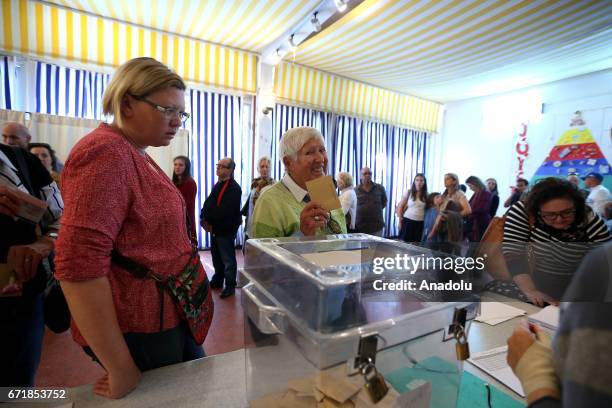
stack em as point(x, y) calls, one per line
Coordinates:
point(395, 155)
point(215, 126)
point(70, 92)
point(7, 86)
point(406, 156)
point(286, 117)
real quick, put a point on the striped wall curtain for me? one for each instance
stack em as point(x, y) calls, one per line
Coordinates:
point(69, 92)
point(346, 144)
point(216, 129)
point(393, 154)
point(7, 86)
point(407, 156)
point(286, 117)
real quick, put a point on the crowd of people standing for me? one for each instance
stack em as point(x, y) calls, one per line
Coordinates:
point(126, 253)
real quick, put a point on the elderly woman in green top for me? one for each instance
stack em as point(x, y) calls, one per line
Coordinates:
point(285, 209)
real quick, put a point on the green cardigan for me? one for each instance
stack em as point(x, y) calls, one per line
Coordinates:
point(277, 214)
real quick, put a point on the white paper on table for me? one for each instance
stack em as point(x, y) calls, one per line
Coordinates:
point(334, 258)
point(493, 362)
point(496, 312)
point(548, 318)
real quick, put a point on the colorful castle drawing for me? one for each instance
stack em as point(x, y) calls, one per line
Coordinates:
point(575, 152)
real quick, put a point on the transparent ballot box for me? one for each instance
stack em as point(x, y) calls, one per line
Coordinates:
point(326, 317)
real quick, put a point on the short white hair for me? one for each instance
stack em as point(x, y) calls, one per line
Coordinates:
point(264, 159)
point(294, 139)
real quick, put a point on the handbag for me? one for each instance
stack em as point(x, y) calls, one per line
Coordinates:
point(57, 313)
point(189, 290)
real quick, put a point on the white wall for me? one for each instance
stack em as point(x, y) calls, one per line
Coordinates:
point(479, 135)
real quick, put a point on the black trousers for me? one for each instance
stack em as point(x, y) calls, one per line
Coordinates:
point(154, 350)
point(22, 327)
point(412, 231)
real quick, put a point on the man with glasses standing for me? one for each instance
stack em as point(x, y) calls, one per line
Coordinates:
point(221, 217)
point(371, 201)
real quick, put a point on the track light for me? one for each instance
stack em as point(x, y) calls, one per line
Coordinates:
point(316, 24)
point(292, 44)
point(276, 57)
point(341, 5)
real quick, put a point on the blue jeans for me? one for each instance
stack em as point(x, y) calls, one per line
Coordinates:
point(22, 327)
point(223, 253)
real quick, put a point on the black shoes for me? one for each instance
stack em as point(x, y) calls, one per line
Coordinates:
point(227, 292)
point(216, 285)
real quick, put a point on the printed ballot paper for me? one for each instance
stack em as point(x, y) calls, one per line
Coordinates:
point(31, 209)
point(493, 362)
point(322, 191)
point(494, 313)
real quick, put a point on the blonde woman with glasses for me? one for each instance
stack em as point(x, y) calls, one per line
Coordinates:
point(134, 283)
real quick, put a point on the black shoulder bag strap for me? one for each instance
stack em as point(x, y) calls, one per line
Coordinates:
point(140, 271)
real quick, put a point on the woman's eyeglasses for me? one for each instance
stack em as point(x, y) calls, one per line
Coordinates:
point(168, 112)
point(552, 216)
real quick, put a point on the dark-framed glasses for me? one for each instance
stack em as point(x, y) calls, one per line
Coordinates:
point(168, 112)
point(552, 216)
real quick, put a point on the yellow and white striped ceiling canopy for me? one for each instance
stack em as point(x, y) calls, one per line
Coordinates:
point(247, 25)
point(448, 50)
point(440, 50)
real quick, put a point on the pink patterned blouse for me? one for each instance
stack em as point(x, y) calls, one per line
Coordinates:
point(117, 197)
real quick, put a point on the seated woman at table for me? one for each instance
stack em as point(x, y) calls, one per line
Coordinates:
point(285, 209)
point(546, 238)
point(577, 370)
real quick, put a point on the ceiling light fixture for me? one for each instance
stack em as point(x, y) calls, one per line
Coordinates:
point(316, 24)
point(292, 44)
point(276, 57)
point(341, 5)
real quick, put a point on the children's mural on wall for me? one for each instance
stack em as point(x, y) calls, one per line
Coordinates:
point(575, 152)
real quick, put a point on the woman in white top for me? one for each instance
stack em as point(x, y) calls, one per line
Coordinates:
point(411, 210)
point(348, 199)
